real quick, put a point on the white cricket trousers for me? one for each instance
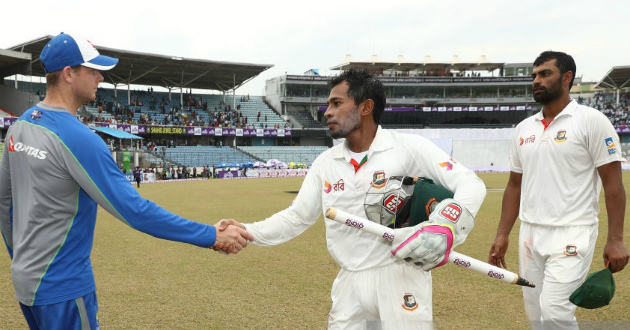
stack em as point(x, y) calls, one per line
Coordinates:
point(557, 261)
point(393, 297)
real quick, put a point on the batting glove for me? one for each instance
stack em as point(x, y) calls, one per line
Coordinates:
point(429, 244)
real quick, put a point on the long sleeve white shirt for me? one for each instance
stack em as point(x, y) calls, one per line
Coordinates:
point(332, 181)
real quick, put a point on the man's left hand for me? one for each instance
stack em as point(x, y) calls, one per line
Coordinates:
point(616, 255)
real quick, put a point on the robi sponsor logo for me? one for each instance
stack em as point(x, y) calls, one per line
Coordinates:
point(530, 139)
point(28, 150)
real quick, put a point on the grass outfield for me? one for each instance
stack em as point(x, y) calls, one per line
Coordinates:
point(147, 283)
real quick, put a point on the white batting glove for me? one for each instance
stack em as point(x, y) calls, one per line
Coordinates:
point(426, 245)
point(429, 244)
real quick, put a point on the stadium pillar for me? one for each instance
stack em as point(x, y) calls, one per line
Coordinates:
point(234, 92)
point(181, 91)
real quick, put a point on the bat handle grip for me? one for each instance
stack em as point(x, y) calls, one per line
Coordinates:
point(331, 213)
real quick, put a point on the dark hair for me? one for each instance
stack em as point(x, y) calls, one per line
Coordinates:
point(363, 86)
point(564, 62)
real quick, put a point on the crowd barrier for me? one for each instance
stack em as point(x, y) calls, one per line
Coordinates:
point(144, 178)
point(254, 173)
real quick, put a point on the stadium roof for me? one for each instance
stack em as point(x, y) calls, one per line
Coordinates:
point(159, 70)
point(115, 133)
point(617, 77)
point(13, 63)
point(374, 64)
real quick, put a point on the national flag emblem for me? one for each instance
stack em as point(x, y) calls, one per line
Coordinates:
point(36, 115)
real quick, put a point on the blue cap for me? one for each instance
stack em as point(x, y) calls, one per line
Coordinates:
point(64, 50)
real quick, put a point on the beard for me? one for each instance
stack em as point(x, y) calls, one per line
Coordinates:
point(550, 94)
point(343, 129)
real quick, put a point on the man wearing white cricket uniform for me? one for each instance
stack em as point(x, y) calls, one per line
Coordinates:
point(374, 289)
point(554, 188)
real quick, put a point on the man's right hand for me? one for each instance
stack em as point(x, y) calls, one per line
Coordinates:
point(231, 236)
point(496, 256)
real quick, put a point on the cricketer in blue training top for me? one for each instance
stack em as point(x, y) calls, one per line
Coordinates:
point(54, 172)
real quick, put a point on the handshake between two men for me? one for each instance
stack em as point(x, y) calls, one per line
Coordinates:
point(231, 236)
point(427, 244)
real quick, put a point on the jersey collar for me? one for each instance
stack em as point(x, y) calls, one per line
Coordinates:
point(569, 110)
point(383, 140)
point(45, 106)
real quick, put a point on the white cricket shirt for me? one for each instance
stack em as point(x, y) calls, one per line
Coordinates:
point(332, 181)
point(560, 185)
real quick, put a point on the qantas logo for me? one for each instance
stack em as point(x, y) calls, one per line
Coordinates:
point(31, 151)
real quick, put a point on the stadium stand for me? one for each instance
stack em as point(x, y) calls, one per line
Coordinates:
point(149, 107)
point(199, 156)
point(296, 154)
point(420, 97)
point(617, 112)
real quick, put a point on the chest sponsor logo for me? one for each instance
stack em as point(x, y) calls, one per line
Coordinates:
point(610, 145)
point(448, 165)
point(561, 136)
point(378, 179)
point(527, 140)
point(339, 186)
point(28, 150)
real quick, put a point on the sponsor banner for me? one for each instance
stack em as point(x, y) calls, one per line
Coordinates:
point(193, 130)
point(622, 129)
point(144, 178)
point(7, 121)
point(228, 174)
point(456, 108)
point(399, 109)
point(253, 173)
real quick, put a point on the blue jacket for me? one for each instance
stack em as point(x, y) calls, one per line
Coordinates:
point(53, 173)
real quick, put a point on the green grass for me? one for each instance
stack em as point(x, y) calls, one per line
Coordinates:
point(147, 283)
